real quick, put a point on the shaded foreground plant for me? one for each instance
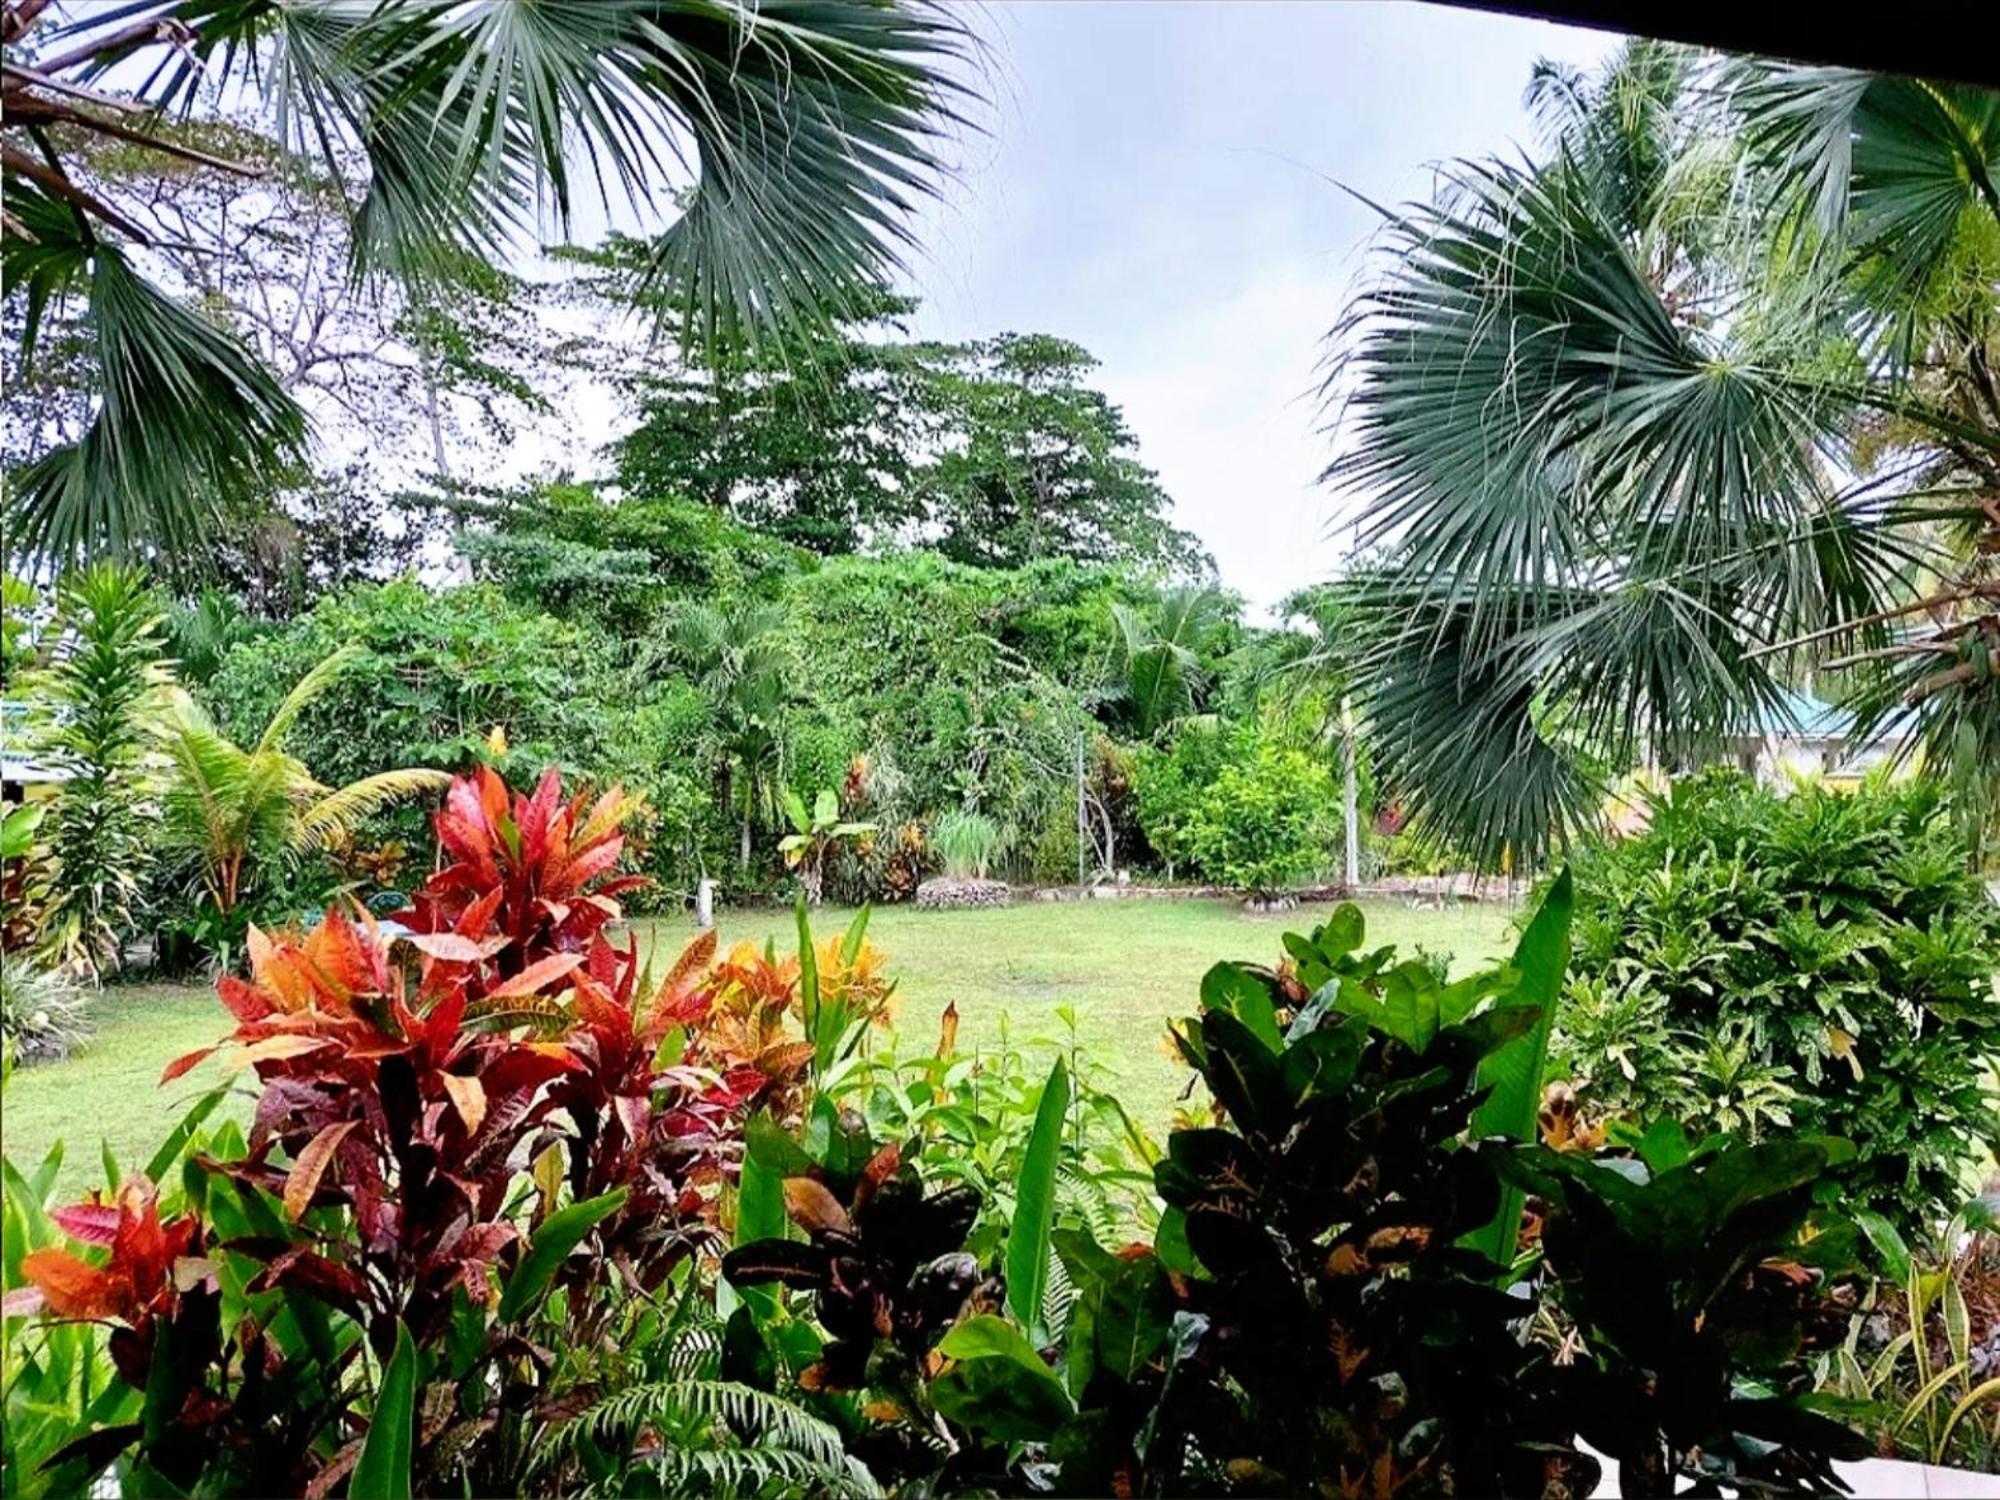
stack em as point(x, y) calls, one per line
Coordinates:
point(1340, 1297)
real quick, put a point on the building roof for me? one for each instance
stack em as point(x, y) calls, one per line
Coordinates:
point(1801, 716)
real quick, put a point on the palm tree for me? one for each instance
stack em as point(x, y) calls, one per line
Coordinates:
point(1651, 425)
point(737, 653)
point(235, 809)
point(793, 140)
point(1158, 668)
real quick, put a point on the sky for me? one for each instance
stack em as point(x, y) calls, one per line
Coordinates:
point(1158, 182)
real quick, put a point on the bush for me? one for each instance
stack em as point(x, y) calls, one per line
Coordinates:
point(1821, 960)
point(1237, 809)
point(966, 843)
point(436, 672)
point(43, 1015)
point(1316, 1308)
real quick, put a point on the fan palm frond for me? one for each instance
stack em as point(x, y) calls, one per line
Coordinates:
point(794, 140)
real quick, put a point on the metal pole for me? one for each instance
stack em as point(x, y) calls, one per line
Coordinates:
point(1083, 817)
point(1353, 870)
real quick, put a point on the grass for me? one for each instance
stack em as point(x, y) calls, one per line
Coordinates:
point(1124, 967)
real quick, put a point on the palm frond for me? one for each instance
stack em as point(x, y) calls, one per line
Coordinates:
point(187, 419)
point(714, 1437)
point(304, 691)
point(1885, 169)
point(332, 818)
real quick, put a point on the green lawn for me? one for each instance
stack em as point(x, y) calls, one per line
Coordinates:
point(1125, 966)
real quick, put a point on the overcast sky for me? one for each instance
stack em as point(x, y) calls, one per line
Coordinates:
point(1156, 187)
point(1156, 181)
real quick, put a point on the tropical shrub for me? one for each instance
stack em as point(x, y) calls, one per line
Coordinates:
point(1815, 960)
point(25, 879)
point(1921, 1356)
point(433, 1143)
point(104, 686)
point(1266, 821)
point(1324, 1303)
point(234, 811)
point(43, 1014)
point(1172, 786)
point(817, 833)
point(432, 674)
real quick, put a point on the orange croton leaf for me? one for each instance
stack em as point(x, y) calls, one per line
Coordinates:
point(72, 1288)
point(185, 1063)
point(138, 1275)
point(304, 1178)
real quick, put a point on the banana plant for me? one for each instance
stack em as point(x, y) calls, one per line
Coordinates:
point(816, 833)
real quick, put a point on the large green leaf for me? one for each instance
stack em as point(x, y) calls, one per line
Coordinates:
point(999, 1385)
point(1035, 1205)
point(560, 1233)
point(383, 1470)
point(1514, 1073)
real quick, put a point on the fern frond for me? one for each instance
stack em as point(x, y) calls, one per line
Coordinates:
point(693, 1419)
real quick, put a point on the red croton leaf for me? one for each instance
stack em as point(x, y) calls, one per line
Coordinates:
point(538, 975)
point(187, 1062)
point(93, 1223)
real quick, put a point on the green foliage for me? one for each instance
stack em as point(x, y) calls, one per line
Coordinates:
point(1161, 674)
point(202, 631)
point(1926, 1386)
point(1816, 960)
point(565, 549)
point(433, 673)
point(997, 451)
point(43, 1014)
point(1692, 1275)
point(19, 603)
point(1174, 784)
point(962, 673)
point(966, 842)
point(233, 811)
point(1044, 465)
point(1265, 822)
point(105, 685)
point(817, 833)
point(810, 438)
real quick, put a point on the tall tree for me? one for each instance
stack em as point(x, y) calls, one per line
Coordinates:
point(1032, 463)
point(996, 453)
point(809, 438)
point(793, 140)
point(1618, 415)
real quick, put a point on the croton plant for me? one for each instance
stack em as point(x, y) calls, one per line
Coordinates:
point(477, 1132)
